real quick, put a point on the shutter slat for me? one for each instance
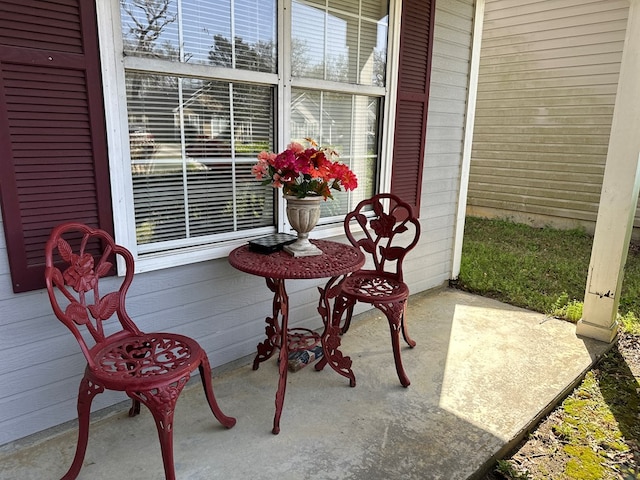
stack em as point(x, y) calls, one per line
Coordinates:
point(43, 25)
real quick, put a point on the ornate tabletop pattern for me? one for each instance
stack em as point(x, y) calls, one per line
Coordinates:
point(336, 259)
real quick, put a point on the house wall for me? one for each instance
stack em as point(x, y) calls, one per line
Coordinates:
point(546, 90)
point(445, 135)
point(222, 308)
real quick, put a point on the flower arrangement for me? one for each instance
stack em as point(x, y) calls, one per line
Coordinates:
point(304, 172)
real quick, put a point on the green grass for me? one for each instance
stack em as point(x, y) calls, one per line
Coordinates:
point(534, 267)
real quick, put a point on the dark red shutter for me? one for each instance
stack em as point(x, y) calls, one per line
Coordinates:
point(416, 40)
point(53, 154)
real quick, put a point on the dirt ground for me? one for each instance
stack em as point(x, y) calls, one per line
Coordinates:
point(543, 454)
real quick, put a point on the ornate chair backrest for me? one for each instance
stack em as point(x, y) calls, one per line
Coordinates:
point(77, 258)
point(384, 227)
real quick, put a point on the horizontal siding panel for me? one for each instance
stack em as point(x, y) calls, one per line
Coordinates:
point(525, 138)
point(554, 70)
point(568, 81)
point(510, 205)
point(575, 149)
point(453, 133)
point(567, 64)
point(542, 120)
point(545, 159)
point(593, 171)
point(581, 33)
point(584, 91)
point(505, 8)
point(570, 21)
point(542, 192)
point(543, 130)
point(449, 106)
point(555, 53)
point(455, 24)
point(501, 179)
point(450, 40)
point(488, 104)
point(482, 180)
point(607, 41)
point(497, 15)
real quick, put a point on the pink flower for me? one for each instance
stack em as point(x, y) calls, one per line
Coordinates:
point(267, 157)
point(259, 170)
point(304, 171)
point(295, 147)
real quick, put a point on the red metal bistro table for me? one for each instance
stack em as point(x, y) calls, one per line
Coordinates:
point(337, 260)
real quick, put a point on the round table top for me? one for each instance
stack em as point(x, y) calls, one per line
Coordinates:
point(336, 259)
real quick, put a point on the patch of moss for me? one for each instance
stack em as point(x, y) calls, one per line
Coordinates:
point(585, 464)
point(575, 407)
point(563, 431)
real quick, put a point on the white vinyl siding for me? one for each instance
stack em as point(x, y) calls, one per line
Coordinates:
point(546, 90)
point(445, 134)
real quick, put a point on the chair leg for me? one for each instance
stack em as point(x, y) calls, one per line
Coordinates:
point(394, 313)
point(88, 390)
point(161, 402)
point(135, 408)
point(349, 308)
point(403, 323)
point(205, 375)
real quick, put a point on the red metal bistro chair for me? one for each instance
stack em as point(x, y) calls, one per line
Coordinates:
point(387, 235)
point(151, 368)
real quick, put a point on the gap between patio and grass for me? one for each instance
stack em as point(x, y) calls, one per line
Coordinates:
point(594, 434)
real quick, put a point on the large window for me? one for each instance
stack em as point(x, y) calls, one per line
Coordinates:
point(211, 83)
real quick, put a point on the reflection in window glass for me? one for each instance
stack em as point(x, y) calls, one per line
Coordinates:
point(191, 167)
point(150, 29)
point(206, 28)
point(225, 33)
point(342, 41)
point(349, 124)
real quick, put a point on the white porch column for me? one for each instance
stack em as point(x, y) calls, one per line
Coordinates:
point(619, 196)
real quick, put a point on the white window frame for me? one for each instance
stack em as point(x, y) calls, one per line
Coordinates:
point(115, 109)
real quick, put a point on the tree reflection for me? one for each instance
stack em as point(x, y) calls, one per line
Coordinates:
point(148, 19)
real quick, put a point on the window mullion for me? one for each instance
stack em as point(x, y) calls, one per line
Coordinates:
point(198, 70)
point(180, 32)
point(325, 41)
point(234, 195)
point(283, 109)
point(328, 85)
point(358, 48)
point(185, 185)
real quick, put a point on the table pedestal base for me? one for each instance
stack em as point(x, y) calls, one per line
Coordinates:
point(279, 336)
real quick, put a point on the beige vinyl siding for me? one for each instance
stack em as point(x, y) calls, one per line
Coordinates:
point(546, 90)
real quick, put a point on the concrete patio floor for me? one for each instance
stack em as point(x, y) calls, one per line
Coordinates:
point(482, 374)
